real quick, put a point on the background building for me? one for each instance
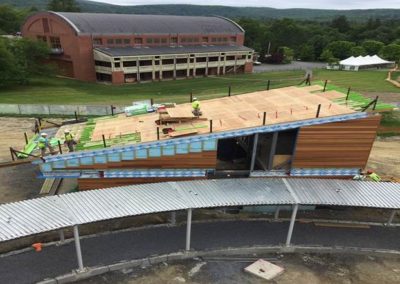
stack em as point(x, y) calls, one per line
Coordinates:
point(132, 48)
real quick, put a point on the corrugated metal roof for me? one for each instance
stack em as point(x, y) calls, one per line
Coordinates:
point(99, 23)
point(136, 51)
point(50, 213)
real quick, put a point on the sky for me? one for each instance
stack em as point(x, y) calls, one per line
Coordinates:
point(314, 4)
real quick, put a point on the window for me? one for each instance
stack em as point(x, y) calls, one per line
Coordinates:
point(138, 40)
point(127, 40)
point(224, 39)
point(117, 64)
point(233, 39)
point(204, 39)
point(183, 39)
point(129, 63)
point(110, 41)
point(181, 60)
point(157, 40)
point(164, 40)
point(149, 40)
point(42, 38)
point(214, 39)
point(167, 61)
point(55, 42)
point(118, 41)
point(97, 41)
point(174, 40)
point(102, 63)
point(145, 63)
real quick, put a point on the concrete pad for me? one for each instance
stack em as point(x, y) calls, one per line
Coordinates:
point(264, 269)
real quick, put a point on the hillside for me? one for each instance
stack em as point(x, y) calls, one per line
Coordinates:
point(231, 12)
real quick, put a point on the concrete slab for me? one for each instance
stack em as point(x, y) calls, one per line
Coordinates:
point(264, 269)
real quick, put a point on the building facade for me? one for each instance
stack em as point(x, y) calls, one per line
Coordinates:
point(134, 48)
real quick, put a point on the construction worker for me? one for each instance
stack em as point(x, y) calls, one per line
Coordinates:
point(196, 107)
point(373, 176)
point(69, 140)
point(44, 143)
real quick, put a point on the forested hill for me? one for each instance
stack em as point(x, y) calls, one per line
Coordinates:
point(231, 12)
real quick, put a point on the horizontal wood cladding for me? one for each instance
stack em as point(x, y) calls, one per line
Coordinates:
point(207, 159)
point(344, 144)
point(98, 183)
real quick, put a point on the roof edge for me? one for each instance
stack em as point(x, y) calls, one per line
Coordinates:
point(232, 22)
point(65, 19)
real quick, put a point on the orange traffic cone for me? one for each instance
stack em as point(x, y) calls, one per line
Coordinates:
point(37, 246)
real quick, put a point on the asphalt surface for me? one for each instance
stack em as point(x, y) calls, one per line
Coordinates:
point(294, 65)
point(52, 261)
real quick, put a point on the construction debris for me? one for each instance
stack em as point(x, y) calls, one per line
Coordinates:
point(264, 269)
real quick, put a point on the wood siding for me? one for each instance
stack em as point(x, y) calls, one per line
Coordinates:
point(336, 145)
point(98, 183)
point(207, 159)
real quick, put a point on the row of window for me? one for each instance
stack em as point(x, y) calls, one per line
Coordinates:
point(53, 40)
point(172, 40)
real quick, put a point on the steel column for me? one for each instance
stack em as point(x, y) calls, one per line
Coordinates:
point(291, 225)
point(254, 152)
point(173, 218)
point(78, 249)
point(62, 236)
point(389, 223)
point(188, 228)
point(276, 216)
point(270, 159)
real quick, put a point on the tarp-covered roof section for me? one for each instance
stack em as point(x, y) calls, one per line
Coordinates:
point(97, 23)
point(134, 51)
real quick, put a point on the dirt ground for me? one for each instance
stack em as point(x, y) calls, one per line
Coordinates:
point(12, 134)
point(299, 269)
point(385, 156)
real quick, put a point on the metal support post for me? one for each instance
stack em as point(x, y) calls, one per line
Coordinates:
point(59, 146)
point(326, 82)
point(158, 133)
point(104, 141)
point(191, 97)
point(264, 117)
point(375, 102)
point(318, 111)
point(172, 219)
point(62, 236)
point(268, 84)
point(348, 93)
point(276, 216)
point(76, 116)
point(291, 225)
point(26, 138)
point(211, 126)
point(254, 152)
point(78, 249)
point(112, 110)
point(270, 158)
point(12, 154)
point(229, 91)
point(188, 228)
point(390, 221)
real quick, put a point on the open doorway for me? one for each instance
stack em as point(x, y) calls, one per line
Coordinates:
point(234, 154)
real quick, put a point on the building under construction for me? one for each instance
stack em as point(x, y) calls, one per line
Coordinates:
point(292, 131)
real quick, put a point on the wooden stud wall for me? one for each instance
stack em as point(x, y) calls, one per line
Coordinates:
point(206, 159)
point(97, 183)
point(336, 145)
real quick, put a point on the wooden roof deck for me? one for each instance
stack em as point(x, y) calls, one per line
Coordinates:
point(230, 113)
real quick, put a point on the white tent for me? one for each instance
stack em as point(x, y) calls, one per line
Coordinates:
point(354, 63)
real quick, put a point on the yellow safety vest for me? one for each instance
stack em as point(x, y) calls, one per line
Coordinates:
point(195, 105)
point(375, 177)
point(42, 143)
point(69, 137)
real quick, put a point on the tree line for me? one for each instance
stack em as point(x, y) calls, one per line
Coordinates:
point(327, 41)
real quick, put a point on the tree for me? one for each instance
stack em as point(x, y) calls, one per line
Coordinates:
point(63, 6)
point(341, 49)
point(327, 56)
point(7, 67)
point(306, 53)
point(341, 24)
point(372, 47)
point(358, 50)
point(391, 52)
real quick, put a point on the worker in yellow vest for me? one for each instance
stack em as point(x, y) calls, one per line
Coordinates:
point(69, 140)
point(44, 143)
point(196, 107)
point(373, 176)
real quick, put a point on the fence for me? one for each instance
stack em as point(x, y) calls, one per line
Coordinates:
point(28, 109)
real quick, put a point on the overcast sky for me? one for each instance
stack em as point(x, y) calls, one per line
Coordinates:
point(315, 4)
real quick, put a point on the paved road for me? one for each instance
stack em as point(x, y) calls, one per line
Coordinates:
point(31, 266)
point(295, 65)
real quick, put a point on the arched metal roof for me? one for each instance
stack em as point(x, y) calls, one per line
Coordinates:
point(45, 214)
point(99, 23)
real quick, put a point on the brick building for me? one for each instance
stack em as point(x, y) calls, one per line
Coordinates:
point(132, 48)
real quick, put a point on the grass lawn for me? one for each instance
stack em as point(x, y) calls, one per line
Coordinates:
point(66, 91)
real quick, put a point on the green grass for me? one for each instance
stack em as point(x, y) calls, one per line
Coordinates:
point(396, 76)
point(66, 91)
point(362, 81)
